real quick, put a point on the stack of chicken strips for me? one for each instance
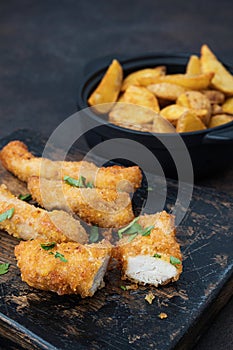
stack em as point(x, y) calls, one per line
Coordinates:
point(55, 254)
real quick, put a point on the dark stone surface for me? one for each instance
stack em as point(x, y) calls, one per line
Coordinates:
point(45, 46)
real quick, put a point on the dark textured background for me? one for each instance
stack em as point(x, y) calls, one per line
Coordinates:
point(44, 46)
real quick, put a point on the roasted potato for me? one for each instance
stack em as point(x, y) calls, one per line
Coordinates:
point(227, 106)
point(222, 80)
point(173, 112)
point(214, 96)
point(142, 97)
point(190, 82)
point(189, 122)
point(216, 109)
point(193, 66)
point(219, 119)
point(167, 91)
point(109, 88)
point(197, 101)
point(161, 125)
point(129, 114)
point(143, 77)
point(204, 91)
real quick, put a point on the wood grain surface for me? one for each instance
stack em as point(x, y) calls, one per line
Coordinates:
point(117, 319)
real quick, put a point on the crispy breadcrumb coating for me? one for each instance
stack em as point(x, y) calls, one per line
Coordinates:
point(16, 158)
point(150, 259)
point(29, 222)
point(68, 268)
point(103, 207)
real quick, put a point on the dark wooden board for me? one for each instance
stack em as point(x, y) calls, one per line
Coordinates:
point(117, 319)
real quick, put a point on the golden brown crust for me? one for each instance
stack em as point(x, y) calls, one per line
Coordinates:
point(16, 158)
point(161, 240)
point(78, 274)
point(29, 222)
point(102, 207)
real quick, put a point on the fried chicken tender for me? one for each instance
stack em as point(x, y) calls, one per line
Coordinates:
point(67, 268)
point(103, 207)
point(29, 222)
point(17, 159)
point(153, 259)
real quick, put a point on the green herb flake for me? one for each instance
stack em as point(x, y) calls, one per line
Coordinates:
point(4, 268)
point(60, 256)
point(123, 288)
point(133, 229)
point(25, 197)
point(48, 246)
point(94, 234)
point(7, 214)
point(80, 182)
point(174, 261)
point(129, 226)
point(89, 185)
point(147, 231)
point(156, 255)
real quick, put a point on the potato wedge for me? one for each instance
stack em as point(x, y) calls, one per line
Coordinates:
point(143, 77)
point(189, 122)
point(216, 109)
point(214, 96)
point(161, 125)
point(223, 79)
point(220, 119)
point(166, 91)
point(142, 97)
point(190, 82)
point(193, 66)
point(227, 106)
point(197, 101)
point(129, 114)
point(108, 89)
point(173, 112)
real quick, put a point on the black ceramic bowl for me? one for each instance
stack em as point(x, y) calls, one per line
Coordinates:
point(210, 150)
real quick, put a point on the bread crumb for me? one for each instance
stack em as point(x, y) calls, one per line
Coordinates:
point(149, 297)
point(162, 315)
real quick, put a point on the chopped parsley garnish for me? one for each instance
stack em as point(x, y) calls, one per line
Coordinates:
point(94, 234)
point(146, 231)
point(174, 261)
point(7, 214)
point(129, 228)
point(156, 255)
point(89, 184)
point(123, 288)
point(80, 182)
point(60, 256)
point(48, 246)
point(25, 197)
point(133, 229)
point(4, 268)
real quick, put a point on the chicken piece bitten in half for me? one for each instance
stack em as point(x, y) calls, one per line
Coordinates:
point(153, 259)
point(66, 268)
point(29, 222)
point(103, 207)
point(16, 158)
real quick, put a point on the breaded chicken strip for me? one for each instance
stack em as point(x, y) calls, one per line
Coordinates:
point(103, 207)
point(66, 268)
point(17, 159)
point(29, 222)
point(154, 258)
